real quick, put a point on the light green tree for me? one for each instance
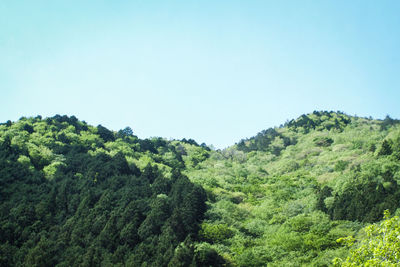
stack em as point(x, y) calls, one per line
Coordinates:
point(381, 247)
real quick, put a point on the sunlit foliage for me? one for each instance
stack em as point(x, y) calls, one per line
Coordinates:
point(76, 195)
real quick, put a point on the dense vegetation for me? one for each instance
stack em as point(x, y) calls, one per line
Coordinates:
point(285, 196)
point(76, 195)
point(380, 246)
point(73, 194)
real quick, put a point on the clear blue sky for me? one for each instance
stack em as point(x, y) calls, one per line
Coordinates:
point(215, 71)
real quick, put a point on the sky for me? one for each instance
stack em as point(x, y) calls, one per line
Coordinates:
point(214, 71)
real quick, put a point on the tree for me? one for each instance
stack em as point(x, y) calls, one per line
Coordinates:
point(381, 246)
point(127, 131)
point(105, 134)
point(386, 148)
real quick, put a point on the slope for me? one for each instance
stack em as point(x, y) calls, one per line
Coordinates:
point(76, 195)
point(73, 194)
point(283, 197)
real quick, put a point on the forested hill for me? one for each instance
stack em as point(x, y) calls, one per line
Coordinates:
point(76, 195)
point(287, 195)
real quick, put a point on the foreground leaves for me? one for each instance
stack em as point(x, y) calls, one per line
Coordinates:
point(380, 247)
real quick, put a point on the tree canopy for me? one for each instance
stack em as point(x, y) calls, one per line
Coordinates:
point(72, 194)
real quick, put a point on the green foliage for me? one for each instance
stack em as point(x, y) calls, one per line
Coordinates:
point(368, 192)
point(215, 232)
point(323, 141)
point(69, 197)
point(268, 140)
point(206, 256)
point(380, 246)
point(286, 195)
point(320, 120)
point(340, 165)
point(76, 195)
point(385, 149)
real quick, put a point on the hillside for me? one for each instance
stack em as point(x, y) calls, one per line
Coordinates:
point(76, 195)
point(73, 194)
point(284, 196)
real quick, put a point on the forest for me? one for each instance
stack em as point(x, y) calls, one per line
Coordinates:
point(319, 190)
